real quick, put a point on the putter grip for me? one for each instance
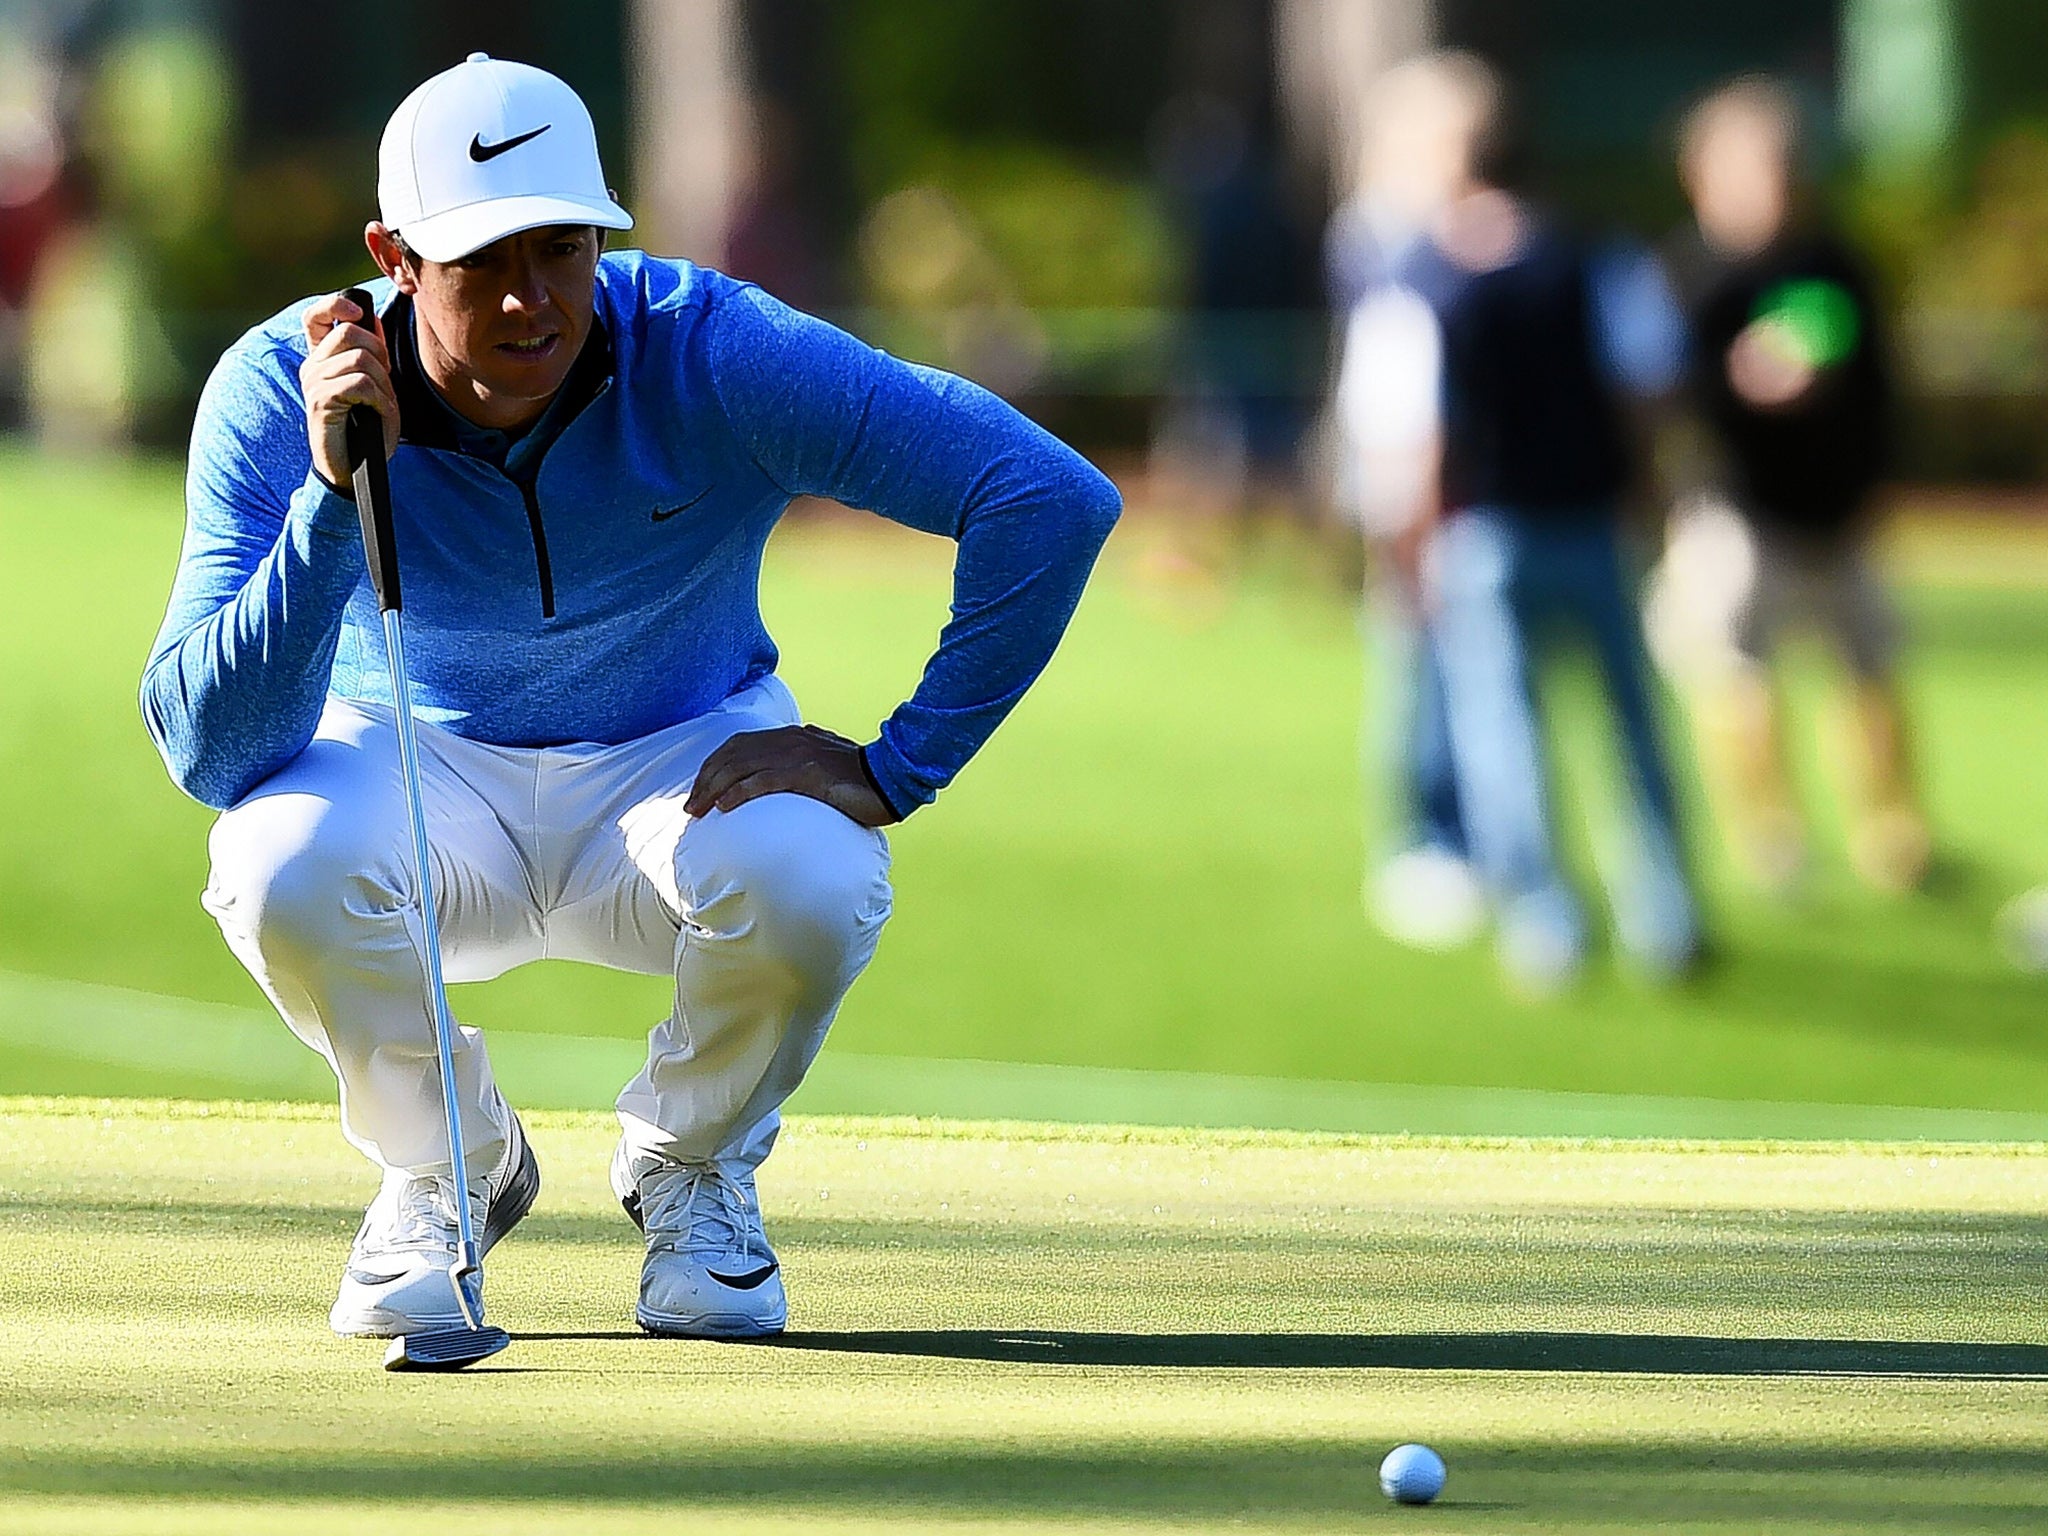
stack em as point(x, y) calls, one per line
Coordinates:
point(372, 479)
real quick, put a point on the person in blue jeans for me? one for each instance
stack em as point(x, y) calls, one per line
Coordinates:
point(1522, 346)
point(1421, 889)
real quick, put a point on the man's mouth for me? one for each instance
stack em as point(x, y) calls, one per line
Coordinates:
point(531, 348)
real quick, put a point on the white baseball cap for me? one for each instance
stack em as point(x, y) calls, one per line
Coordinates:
point(485, 150)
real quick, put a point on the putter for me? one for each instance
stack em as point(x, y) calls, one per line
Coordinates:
point(443, 1349)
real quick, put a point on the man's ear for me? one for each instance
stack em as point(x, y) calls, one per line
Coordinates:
point(391, 256)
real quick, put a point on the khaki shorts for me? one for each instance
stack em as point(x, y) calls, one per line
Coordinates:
point(1726, 591)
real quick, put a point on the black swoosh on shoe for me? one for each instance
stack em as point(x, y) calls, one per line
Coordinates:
point(747, 1282)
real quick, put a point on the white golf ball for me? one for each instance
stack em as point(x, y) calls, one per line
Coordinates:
point(1412, 1474)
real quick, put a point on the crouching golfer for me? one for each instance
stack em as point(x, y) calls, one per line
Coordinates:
point(588, 453)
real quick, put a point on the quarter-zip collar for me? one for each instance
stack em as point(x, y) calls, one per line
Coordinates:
point(428, 421)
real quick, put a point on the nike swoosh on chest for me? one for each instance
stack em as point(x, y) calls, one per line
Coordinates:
point(663, 514)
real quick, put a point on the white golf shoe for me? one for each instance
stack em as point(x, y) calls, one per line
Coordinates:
point(709, 1272)
point(1427, 898)
point(397, 1276)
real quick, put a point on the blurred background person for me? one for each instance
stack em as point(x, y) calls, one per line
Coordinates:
point(1514, 371)
point(1790, 387)
point(1227, 432)
point(35, 203)
point(1422, 889)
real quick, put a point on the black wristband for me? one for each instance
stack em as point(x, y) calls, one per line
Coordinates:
point(875, 784)
point(345, 492)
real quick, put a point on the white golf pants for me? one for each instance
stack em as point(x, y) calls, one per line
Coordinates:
point(764, 916)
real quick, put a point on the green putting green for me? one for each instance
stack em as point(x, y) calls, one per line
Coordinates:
point(1015, 1327)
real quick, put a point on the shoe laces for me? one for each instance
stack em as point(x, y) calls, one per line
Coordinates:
point(426, 1218)
point(699, 1208)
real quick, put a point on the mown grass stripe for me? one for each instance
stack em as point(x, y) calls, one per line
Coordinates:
point(180, 1042)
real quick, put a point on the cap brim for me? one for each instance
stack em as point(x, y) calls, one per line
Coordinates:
point(454, 234)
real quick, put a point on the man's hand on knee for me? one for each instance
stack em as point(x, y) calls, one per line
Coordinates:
point(790, 760)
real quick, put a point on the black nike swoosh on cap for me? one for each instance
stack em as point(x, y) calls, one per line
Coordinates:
point(661, 516)
point(746, 1282)
point(479, 151)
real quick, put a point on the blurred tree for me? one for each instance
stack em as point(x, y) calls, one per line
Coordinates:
point(99, 369)
point(1901, 82)
point(1072, 74)
point(978, 169)
point(153, 115)
point(1992, 256)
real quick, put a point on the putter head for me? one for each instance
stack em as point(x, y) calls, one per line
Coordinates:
point(444, 1349)
point(466, 1276)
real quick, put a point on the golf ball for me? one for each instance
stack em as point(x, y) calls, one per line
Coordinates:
point(1412, 1474)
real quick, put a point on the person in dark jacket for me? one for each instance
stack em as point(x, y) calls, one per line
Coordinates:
point(1520, 345)
point(1792, 407)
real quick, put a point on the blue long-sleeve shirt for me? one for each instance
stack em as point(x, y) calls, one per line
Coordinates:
point(608, 587)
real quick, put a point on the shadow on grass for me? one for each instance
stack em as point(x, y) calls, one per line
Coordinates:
point(580, 1335)
point(1303, 1483)
point(1924, 968)
point(1592, 1353)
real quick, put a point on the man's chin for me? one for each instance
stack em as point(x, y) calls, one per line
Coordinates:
point(527, 383)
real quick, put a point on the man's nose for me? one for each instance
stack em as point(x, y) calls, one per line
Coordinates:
point(525, 291)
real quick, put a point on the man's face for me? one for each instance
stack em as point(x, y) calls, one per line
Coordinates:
point(501, 327)
point(1739, 176)
point(1421, 154)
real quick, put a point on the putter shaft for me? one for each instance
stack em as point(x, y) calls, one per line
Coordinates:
point(364, 435)
point(467, 1265)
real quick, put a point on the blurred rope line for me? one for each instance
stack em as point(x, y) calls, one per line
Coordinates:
point(246, 1052)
